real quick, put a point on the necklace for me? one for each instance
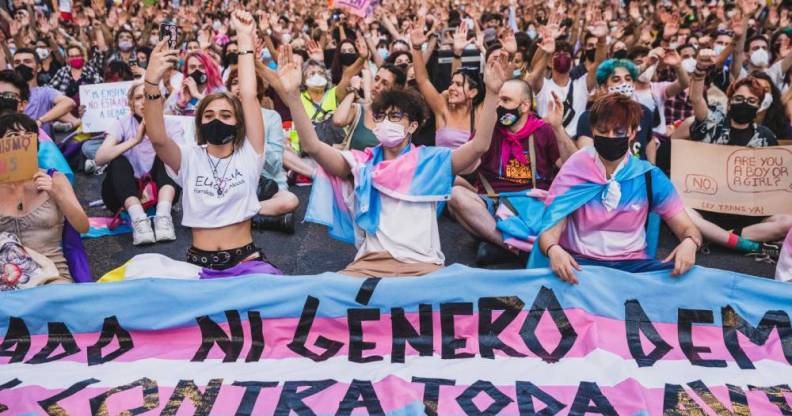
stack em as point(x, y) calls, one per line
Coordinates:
point(219, 181)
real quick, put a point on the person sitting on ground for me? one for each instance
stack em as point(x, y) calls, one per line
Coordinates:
point(511, 164)
point(130, 157)
point(200, 77)
point(219, 177)
point(45, 104)
point(754, 235)
point(598, 204)
point(34, 210)
point(396, 185)
point(277, 203)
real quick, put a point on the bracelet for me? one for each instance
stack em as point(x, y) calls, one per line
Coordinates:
point(457, 56)
point(150, 83)
point(417, 47)
point(240, 53)
point(693, 239)
point(152, 97)
point(547, 252)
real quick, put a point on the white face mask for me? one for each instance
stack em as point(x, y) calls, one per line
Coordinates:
point(43, 53)
point(286, 38)
point(718, 49)
point(760, 57)
point(766, 102)
point(689, 65)
point(216, 25)
point(389, 134)
point(625, 89)
point(316, 81)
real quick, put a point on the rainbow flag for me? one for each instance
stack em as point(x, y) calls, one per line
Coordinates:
point(458, 341)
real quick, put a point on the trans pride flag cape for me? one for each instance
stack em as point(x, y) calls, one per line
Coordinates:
point(459, 341)
point(784, 268)
point(579, 181)
point(419, 174)
point(521, 229)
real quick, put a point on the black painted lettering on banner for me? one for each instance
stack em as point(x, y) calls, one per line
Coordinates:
point(686, 319)
point(450, 343)
point(489, 330)
point(499, 399)
point(212, 333)
point(677, 402)
point(431, 395)
point(776, 396)
point(404, 333)
point(18, 337)
point(50, 404)
point(203, 402)
point(256, 336)
point(252, 390)
point(367, 290)
point(331, 347)
point(546, 300)
point(739, 402)
point(150, 398)
point(360, 394)
point(527, 392)
point(733, 323)
point(637, 322)
point(589, 399)
point(355, 318)
point(7, 386)
point(58, 336)
point(111, 329)
point(292, 401)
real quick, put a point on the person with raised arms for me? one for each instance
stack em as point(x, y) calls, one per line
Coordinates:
point(220, 175)
point(385, 199)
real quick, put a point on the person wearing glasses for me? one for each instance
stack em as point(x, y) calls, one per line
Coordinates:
point(384, 199)
point(736, 126)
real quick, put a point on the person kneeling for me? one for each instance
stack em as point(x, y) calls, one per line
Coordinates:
point(130, 156)
point(391, 214)
point(599, 203)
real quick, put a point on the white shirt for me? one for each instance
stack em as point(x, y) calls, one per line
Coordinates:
point(579, 99)
point(238, 175)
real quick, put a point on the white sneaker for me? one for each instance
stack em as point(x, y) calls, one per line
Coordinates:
point(163, 228)
point(90, 166)
point(142, 232)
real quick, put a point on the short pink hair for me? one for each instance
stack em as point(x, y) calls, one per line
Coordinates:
point(213, 78)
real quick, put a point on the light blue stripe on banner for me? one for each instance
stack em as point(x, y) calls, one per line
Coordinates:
point(166, 303)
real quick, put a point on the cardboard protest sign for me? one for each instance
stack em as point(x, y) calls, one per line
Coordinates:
point(18, 157)
point(104, 103)
point(359, 7)
point(733, 179)
point(460, 341)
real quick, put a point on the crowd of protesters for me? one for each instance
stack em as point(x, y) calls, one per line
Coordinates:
point(395, 114)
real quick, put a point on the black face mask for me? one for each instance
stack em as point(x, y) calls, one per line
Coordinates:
point(143, 64)
point(232, 58)
point(611, 148)
point(8, 105)
point(24, 71)
point(508, 116)
point(216, 132)
point(742, 113)
point(590, 54)
point(620, 54)
point(199, 77)
point(348, 58)
point(137, 117)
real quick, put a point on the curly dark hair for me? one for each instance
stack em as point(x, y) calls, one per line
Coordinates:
point(406, 100)
point(12, 77)
point(17, 122)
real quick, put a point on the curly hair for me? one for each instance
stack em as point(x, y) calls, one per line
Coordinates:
point(607, 68)
point(408, 101)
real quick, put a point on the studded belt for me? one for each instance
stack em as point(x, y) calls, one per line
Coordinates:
point(220, 260)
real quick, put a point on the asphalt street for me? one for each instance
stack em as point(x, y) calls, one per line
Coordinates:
point(311, 251)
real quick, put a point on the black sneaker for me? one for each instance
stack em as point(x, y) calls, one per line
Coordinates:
point(489, 254)
point(768, 253)
point(283, 223)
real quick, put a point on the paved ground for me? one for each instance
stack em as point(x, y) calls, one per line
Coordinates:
point(311, 251)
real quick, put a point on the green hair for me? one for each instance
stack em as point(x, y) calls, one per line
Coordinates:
point(607, 68)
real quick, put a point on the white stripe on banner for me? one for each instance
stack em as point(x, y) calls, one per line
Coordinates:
point(602, 367)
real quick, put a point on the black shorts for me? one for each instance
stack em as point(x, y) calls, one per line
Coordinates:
point(731, 221)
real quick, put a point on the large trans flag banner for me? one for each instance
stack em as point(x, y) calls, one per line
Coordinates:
point(458, 342)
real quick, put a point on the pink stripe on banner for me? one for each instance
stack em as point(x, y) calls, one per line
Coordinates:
point(394, 394)
point(609, 334)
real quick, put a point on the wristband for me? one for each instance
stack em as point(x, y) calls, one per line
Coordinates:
point(693, 239)
point(547, 252)
point(150, 83)
point(240, 53)
point(152, 96)
point(417, 47)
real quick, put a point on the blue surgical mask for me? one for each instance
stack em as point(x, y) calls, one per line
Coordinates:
point(517, 73)
point(265, 54)
point(383, 52)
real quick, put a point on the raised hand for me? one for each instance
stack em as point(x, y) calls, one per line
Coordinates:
point(548, 45)
point(288, 71)
point(314, 50)
point(672, 58)
point(555, 111)
point(162, 59)
point(243, 23)
point(362, 48)
point(508, 41)
point(705, 59)
point(598, 28)
point(417, 36)
point(496, 71)
point(460, 38)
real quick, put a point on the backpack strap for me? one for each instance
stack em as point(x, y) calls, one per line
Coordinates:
point(649, 193)
point(532, 158)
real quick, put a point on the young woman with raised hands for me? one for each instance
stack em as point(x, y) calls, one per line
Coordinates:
point(220, 175)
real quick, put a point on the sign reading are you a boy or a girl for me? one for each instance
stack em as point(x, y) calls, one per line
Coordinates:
point(104, 104)
point(733, 179)
point(460, 341)
point(18, 157)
